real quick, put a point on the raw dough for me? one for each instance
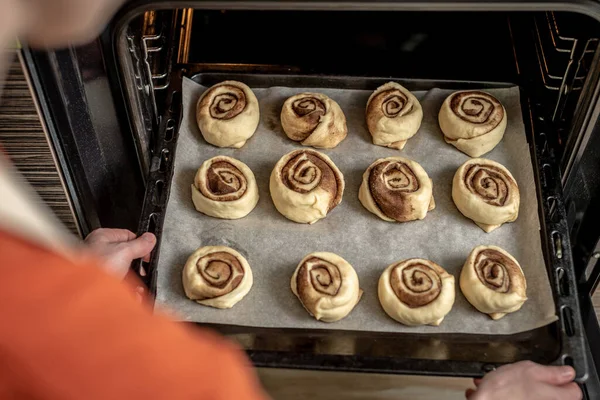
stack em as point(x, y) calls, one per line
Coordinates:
point(305, 185)
point(217, 276)
point(313, 119)
point(326, 285)
point(228, 114)
point(416, 292)
point(486, 192)
point(472, 121)
point(394, 115)
point(224, 188)
point(396, 189)
point(493, 282)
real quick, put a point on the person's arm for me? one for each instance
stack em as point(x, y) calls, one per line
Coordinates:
point(69, 331)
point(52, 23)
point(12, 17)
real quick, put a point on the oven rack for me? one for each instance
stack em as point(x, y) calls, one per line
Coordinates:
point(564, 60)
point(560, 343)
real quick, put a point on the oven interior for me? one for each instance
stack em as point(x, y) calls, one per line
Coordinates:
point(551, 56)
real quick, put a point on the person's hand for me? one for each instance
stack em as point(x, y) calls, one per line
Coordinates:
point(527, 380)
point(117, 248)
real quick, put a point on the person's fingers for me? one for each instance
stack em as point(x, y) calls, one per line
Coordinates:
point(130, 235)
point(140, 294)
point(570, 391)
point(94, 234)
point(141, 246)
point(119, 235)
point(566, 392)
point(469, 393)
point(110, 235)
point(554, 375)
point(50, 26)
point(477, 381)
point(146, 258)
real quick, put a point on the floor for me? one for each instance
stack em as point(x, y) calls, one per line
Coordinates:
point(22, 138)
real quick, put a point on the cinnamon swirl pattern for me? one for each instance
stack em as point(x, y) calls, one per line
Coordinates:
point(486, 192)
point(472, 121)
point(216, 276)
point(393, 115)
point(396, 189)
point(326, 285)
point(313, 119)
point(228, 114)
point(493, 282)
point(224, 188)
point(305, 185)
point(416, 292)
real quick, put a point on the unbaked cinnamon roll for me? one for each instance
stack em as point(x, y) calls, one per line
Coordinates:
point(313, 119)
point(486, 192)
point(216, 276)
point(228, 114)
point(326, 285)
point(416, 292)
point(472, 121)
point(396, 189)
point(493, 282)
point(394, 115)
point(305, 185)
point(224, 188)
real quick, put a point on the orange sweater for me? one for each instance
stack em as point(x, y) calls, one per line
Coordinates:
point(69, 331)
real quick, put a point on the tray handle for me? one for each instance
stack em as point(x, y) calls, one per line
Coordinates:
point(555, 237)
point(157, 187)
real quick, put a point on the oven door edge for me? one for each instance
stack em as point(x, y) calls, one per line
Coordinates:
point(94, 154)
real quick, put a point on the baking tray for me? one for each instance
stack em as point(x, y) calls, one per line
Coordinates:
point(561, 342)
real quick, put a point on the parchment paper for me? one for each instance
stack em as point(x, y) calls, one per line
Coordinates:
point(274, 245)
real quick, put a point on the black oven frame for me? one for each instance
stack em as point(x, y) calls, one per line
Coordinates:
point(79, 141)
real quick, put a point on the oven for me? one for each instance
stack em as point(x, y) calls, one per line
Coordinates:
point(113, 109)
